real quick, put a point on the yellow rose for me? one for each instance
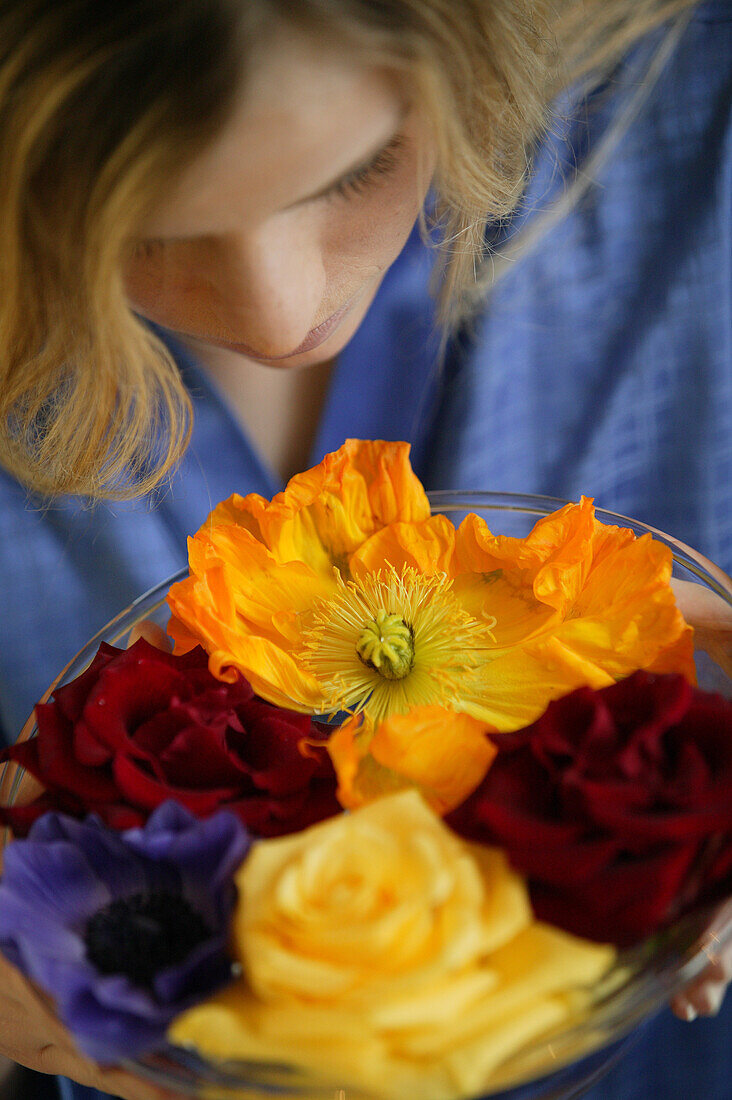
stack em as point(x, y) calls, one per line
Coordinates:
point(381, 951)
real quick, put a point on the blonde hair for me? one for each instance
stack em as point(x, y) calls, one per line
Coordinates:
point(102, 103)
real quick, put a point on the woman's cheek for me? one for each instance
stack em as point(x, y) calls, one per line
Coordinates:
point(366, 233)
point(170, 287)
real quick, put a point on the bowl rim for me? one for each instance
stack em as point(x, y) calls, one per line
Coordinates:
point(451, 500)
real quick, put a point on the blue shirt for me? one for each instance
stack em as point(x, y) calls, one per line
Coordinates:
point(602, 364)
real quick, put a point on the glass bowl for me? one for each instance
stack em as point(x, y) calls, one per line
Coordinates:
point(563, 1063)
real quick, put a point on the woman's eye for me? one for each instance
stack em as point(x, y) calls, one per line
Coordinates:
point(384, 164)
point(145, 249)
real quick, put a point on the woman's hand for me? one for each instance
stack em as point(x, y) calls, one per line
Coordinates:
point(704, 996)
point(711, 618)
point(31, 1035)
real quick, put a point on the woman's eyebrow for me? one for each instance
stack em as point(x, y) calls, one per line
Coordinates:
point(359, 165)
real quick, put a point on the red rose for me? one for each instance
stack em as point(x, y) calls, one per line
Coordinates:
point(616, 804)
point(141, 726)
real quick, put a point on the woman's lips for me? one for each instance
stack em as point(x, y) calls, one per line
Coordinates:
point(314, 338)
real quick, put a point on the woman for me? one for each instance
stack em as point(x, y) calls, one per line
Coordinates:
point(246, 177)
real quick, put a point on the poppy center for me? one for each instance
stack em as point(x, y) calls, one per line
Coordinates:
point(143, 934)
point(386, 644)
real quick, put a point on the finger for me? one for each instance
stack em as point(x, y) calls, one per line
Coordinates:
point(711, 617)
point(704, 995)
point(152, 633)
point(703, 1000)
point(682, 1007)
point(126, 1085)
point(64, 1060)
point(701, 607)
point(707, 1000)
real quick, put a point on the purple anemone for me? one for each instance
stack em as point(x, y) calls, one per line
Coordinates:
point(123, 930)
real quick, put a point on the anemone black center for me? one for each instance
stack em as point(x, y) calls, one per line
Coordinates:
point(143, 934)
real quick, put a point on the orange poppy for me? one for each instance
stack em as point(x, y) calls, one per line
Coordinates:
point(344, 593)
point(443, 753)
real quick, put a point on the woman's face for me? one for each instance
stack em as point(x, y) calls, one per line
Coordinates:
point(274, 241)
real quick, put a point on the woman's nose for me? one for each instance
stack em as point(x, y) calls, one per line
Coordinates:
point(268, 287)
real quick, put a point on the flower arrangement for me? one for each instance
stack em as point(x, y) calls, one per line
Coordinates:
point(390, 808)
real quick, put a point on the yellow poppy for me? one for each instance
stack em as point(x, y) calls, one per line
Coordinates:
point(345, 593)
